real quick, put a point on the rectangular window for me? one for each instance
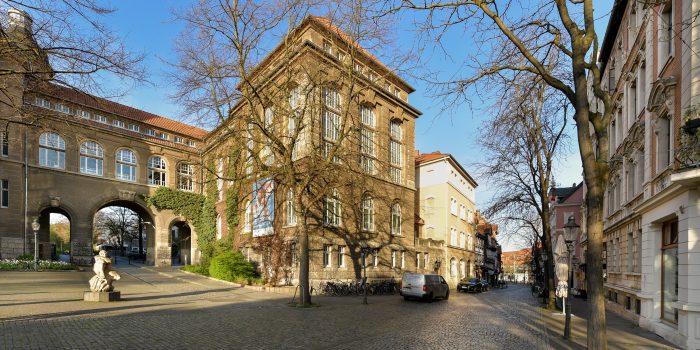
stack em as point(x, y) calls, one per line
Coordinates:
point(5, 196)
point(164, 136)
point(179, 139)
point(403, 260)
point(150, 132)
point(638, 251)
point(327, 251)
point(426, 263)
point(669, 270)
point(393, 259)
point(99, 118)
point(418, 259)
point(637, 306)
point(341, 256)
point(630, 252)
point(118, 123)
point(453, 237)
point(84, 114)
point(4, 144)
point(375, 257)
point(134, 127)
point(331, 126)
point(42, 102)
point(191, 143)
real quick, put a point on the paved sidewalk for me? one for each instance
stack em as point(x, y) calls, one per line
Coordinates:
point(622, 334)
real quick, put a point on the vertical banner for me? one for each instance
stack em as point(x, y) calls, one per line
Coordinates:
point(263, 207)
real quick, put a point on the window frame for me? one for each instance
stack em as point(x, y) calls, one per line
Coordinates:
point(122, 163)
point(4, 193)
point(87, 154)
point(57, 147)
point(159, 170)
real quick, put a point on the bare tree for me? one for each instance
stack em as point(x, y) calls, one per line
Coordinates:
point(290, 117)
point(521, 144)
point(528, 36)
point(117, 225)
point(62, 42)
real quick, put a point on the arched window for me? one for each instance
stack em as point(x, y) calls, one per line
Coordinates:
point(156, 171)
point(333, 210)
point(219, 227)
point(396, 219)
point(126, 165)
point(52, 150)
point(453, 267)
point(91, 155)
point(462, 268)
point(184, 177)
point(248, 218)
point(470, 242)
point(368, 214)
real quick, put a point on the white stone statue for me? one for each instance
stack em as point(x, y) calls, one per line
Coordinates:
point(102, 281)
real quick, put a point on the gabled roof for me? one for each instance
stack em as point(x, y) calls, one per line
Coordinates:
point(425, 158)
point(81, 98)
point(560, 194)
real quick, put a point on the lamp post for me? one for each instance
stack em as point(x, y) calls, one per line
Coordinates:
point(35, 228)
point(570, 234)
point(364, 249)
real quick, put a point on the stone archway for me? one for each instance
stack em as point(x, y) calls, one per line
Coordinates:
point(47, 249)
point(181, 243)
point(143, 229)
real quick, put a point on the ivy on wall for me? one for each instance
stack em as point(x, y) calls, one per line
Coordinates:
point(200, 210)
point(197, 209)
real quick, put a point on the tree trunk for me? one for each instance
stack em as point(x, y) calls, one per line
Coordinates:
point(305, 295)
point(597, 337)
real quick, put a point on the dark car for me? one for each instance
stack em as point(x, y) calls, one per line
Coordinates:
point(484, 285)
point(469, 285)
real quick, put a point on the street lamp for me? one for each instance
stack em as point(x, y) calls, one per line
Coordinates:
point(35, 228)
point(570, 235)
point(364, 250)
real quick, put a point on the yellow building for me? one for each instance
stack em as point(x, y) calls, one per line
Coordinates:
point(446, 204)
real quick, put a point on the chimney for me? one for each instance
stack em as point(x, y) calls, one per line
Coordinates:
point(417, 153)
point(19, 20)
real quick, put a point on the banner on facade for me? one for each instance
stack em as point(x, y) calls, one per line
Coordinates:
point(263, 207)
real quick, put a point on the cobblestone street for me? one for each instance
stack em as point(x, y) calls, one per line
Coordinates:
point(168, 309)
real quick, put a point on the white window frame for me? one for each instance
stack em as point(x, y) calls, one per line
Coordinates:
point(125, 163)
point(52, 145)
point(184, 177)
point(157, 171)
point(367, 214)
point(396, 219)
point(341, 256)
point(91, 158)
point(290, 210)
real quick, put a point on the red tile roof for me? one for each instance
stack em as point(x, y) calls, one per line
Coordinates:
point(325, 22)
point(428, 157)
point(81, 98)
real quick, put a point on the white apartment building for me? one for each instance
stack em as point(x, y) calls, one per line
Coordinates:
point(650, 57)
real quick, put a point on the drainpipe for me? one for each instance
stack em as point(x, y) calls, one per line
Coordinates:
point(26, 188)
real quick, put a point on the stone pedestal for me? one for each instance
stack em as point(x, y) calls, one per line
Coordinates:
point(102, 297)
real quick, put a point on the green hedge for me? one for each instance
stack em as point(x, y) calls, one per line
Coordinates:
point(233, 267)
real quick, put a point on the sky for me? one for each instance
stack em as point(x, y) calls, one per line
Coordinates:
point(149, 27)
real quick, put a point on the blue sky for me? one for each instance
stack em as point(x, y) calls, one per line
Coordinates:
point(149, 27)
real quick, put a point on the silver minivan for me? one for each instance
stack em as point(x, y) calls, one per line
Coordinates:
point(424, 286)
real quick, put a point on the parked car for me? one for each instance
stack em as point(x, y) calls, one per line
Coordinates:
point(424, 286)
point(469, 285)
point(484, 285)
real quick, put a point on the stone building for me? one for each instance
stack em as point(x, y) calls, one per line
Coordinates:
point(445, 200)
point(320, 107)
point(71, 153)
point(652, 217)
point(491, 266)
point(565, 203)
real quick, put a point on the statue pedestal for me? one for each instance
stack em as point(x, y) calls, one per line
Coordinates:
point(102, 297)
